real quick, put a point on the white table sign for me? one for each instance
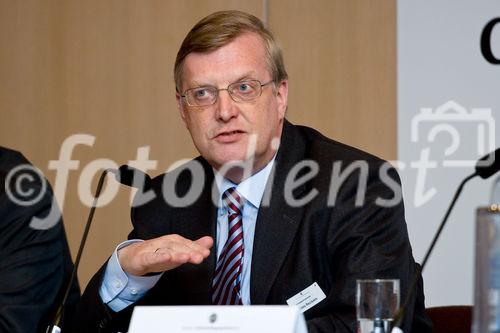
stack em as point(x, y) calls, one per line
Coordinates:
point(228, 319)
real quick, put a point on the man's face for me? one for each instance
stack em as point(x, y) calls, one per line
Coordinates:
point(222, 132)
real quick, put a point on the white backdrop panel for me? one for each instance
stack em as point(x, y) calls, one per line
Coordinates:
point(440, 60)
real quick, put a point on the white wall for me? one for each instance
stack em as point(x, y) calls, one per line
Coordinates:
point(439, 59)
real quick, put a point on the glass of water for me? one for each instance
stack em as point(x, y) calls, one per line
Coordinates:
point(377, 302)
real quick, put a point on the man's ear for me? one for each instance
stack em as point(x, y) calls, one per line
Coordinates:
point(282, 97)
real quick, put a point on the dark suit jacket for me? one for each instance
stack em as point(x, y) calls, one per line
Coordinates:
point(35, 264)
point(293, 246)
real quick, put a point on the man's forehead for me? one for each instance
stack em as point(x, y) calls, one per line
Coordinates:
point(243, 57)
point(222, 78)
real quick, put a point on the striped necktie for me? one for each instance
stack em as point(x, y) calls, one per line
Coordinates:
point(226, 284)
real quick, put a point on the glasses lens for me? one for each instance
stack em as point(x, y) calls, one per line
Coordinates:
point(201, 96)
point(245, 90)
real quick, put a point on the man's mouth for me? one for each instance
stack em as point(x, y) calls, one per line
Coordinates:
point(229, 136)
point(230, 133)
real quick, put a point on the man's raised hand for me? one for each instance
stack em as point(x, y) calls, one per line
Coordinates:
point(163, 254)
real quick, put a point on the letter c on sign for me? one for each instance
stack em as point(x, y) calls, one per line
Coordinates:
point(486, 42)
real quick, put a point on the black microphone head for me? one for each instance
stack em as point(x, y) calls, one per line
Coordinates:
point(133, 177)
point(488, 165)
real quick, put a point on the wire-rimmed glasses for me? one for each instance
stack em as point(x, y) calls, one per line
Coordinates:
point(241, 91)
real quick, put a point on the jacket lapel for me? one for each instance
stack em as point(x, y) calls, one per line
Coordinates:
point(277, 223)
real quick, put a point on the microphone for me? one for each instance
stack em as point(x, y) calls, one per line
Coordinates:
point(125, 175)
point(488, 165)
point(485, 168)
point(132, 177)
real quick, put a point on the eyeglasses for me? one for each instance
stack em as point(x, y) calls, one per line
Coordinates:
point(242, 91)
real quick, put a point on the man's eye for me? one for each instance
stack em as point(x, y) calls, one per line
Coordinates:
point(201, 93)
point(245, 88)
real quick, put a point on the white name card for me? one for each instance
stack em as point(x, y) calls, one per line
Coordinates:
point(228, 319)
point(307, 298)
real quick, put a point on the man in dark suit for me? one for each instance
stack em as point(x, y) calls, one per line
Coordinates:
point(35, 262)
point(267, 210)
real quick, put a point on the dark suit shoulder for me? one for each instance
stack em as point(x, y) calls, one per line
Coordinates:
point(341, 169)
point(9, 159)
point(14, 186)
point(320, 144)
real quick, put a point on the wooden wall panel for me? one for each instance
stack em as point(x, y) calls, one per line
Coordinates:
point(341, 59)
point(105, 68)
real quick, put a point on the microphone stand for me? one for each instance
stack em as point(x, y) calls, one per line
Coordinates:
point(54, 327)
point(398, 319)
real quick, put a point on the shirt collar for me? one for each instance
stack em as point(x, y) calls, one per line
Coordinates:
point(252, 188)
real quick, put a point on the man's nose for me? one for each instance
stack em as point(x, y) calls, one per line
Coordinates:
point(226, 107)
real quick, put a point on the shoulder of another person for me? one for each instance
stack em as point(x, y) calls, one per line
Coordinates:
point(10, 158)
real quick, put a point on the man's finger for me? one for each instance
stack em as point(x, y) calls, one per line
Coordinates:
point(206, 241)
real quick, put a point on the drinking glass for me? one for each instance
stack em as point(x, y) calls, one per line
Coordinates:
point(377, 302)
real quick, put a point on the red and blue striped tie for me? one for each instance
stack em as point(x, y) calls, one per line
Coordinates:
point(226, 284)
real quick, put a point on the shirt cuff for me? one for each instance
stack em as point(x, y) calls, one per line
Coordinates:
point(120, 289)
